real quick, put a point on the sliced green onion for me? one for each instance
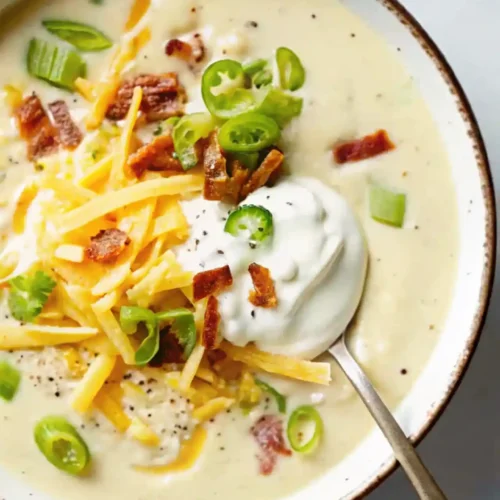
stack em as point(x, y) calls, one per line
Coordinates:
point(262, 78)
point(251, 68)
point(223, 89)
point(130, 317)
point(248, 160)
point(292, 73)
point(280, 399)
point(57, 65)
point(61, 445)
point(305, 429)
point(387, 206)
point(82, 36)
point(280, 106)
point(186, 133)
point(250, 221)
point(248, 133)
point(182, 326)
point(10, 378)
point(166, 126)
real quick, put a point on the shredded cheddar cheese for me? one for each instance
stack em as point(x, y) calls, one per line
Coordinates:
point(92, 382)
point(190, 452)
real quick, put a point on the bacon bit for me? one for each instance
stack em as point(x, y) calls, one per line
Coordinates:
point(180, 49)
point(170, 350)
point(43, 143)
point(214, 164)
point(265, 293)
point(69, 134)
point(268, 432)
point(156, 156)
point(216, 356)
point(361, 149)
point(163, 97)
point(259, 177)
point(198, 48)
point(211, 282)
point(239, 176)
point(107, 245)
point(193, 52)
point(35, 127)
point(29, 114)
point(210, 335)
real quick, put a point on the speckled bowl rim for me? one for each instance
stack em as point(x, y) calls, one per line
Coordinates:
point(487, 280)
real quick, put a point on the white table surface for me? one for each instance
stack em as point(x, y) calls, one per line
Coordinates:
point(463, 449)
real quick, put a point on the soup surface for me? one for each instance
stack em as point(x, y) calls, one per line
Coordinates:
point(355, 86)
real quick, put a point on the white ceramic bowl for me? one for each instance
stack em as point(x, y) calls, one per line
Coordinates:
point(372, 461)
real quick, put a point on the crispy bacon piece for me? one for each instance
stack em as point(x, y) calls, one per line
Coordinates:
point(239, 175)
point(70, 135)
point(210, 335)
point(211, 282)
point(179, 48)
point(264, 294)
point(35, 127)
point(259, 177)
point(216, 356)
point(43, 143)
point(193, 52)
point(107, 245)
point(214, 164)
point(163, 97)
point(268, 432)
point(29, 115)
point(199, 50)
point(170, 350)
point(156, 155)
point(361, 149)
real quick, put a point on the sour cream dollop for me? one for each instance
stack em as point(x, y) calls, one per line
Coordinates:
point(317, 258)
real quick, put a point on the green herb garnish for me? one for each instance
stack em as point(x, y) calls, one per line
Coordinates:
point(10, 379)
point(82, 36)
point(28, 295)
point(279, 398)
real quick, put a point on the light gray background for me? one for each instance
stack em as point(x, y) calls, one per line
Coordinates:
point(463, 449)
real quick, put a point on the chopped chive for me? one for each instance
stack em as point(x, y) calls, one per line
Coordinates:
point(56, 65)
point(10, 379)
point(387, 206)
point(80, 35)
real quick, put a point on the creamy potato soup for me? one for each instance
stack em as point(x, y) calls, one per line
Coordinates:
point(195, 196)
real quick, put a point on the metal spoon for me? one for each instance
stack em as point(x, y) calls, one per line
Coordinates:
point(405, 453)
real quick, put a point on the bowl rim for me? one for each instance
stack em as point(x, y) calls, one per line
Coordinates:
point(487, 280)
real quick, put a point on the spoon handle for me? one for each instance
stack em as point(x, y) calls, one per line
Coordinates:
point(421, 478)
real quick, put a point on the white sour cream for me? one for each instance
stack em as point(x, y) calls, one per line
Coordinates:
point(317, 257)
